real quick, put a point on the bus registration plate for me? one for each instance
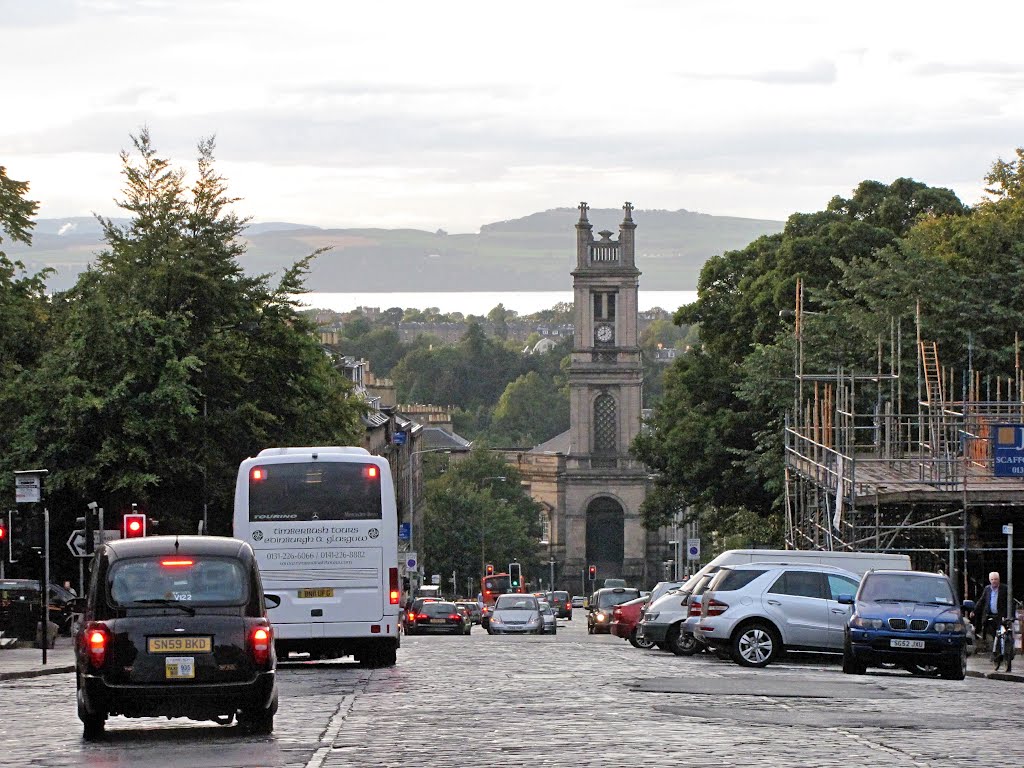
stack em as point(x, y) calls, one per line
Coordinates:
point(317, 592)
point(897, 643)
point(179, 667)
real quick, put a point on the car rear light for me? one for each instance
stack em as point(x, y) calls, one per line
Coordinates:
point(456, 616)
point(97, 641)
point(259, 641)
point(716, 607)
point(423, 617)
point(395, 593)
point(694, 609)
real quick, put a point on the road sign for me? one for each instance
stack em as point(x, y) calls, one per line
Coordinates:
point(411, 562)
point(28, 489)
point(1008, 529)
point(404, 531)
point(76, 542)
point(693, 549)
point(435, 579)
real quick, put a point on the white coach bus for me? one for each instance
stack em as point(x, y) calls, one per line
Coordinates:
point(324, 527)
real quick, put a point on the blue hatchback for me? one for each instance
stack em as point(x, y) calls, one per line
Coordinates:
point(907, 618)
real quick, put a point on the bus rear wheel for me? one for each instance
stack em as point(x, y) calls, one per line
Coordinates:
point(379, 655)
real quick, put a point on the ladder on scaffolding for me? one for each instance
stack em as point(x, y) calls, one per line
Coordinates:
point(936, 402)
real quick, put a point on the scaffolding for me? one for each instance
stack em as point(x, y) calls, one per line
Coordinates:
point(862, 474)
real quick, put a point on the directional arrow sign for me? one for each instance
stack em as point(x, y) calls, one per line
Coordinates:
point(76, 543)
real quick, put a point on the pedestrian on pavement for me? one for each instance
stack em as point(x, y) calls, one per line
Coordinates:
point(991, 607)
point(69, 588)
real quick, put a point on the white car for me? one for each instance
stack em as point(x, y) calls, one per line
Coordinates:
point(550, 618)
point(753, 613)
point(516, 614)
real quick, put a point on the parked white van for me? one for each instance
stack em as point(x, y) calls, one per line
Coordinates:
point(662, 620)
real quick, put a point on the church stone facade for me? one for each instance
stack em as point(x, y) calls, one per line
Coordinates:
point(590, 487)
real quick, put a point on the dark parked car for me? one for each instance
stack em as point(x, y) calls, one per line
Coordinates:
point(436, 617)
point(20, 611)
point(561, 601)
point(176, 627)
point(414, 609)
point(600, 605)
point(907, 618)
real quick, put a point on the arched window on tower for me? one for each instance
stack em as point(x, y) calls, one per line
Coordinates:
point(605, 424)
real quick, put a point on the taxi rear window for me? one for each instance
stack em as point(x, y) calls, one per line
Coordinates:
point(190, 579)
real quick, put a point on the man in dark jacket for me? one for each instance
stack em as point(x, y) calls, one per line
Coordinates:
point(991, 607)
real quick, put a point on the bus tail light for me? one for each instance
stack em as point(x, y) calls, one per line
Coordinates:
point(97, 641)
point(395, 592)
point(259, 642)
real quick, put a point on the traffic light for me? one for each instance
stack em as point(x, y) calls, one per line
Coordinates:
point(515, 575)
point(489, 570)
point(593, 573)
point(3, 533)
point(134, 526)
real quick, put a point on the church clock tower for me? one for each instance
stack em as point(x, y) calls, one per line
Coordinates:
point(604, 484)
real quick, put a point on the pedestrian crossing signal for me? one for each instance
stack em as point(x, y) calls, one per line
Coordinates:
point(134, 526)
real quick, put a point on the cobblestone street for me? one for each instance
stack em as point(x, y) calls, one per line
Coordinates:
point(572, 699)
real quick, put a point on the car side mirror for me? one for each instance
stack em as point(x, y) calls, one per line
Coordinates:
point(968, 605)
point(272, 601)
point(846, 599)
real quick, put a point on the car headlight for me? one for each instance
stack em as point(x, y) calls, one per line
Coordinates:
point(949, 626)
point(495, 620)
point(601, 617)
point(651, 616)
point(863, 623)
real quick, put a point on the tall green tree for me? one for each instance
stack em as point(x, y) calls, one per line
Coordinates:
point(166, 365)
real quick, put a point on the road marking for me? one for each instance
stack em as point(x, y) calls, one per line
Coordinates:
point(330, 734)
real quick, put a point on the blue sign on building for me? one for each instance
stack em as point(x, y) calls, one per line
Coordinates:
point(398, 438)
point(1008, 450)
point(403, 531)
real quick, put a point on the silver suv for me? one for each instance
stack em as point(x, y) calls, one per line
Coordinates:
point(753, 613)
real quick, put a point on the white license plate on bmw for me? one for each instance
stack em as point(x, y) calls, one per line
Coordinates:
point(897, 643)
point(180, 667)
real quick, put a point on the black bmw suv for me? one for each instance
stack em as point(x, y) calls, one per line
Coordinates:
point(177, 627)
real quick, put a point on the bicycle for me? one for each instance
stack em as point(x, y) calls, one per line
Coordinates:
point(1003, 647)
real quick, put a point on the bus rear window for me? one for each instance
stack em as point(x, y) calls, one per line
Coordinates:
point(322, 490)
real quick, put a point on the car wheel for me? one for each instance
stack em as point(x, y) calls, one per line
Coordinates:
point(956, 669)
point(638, 643)
point(590, 629)
point(259, 723)
point(679, 642)
point(850, 664)
point(93, 726)
point(756, 645)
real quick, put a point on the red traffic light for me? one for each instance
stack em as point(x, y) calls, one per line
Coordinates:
point(3, 531)
point(490, 569)
point(134, 526)
point(593, 572)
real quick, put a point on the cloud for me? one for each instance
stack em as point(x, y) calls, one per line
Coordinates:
point(819, 72)
point(66, 228)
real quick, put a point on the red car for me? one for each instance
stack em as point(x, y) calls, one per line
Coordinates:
point(625, 617)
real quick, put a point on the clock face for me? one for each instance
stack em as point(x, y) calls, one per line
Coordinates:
point(604, 333)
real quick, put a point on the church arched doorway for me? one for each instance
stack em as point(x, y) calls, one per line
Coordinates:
point(605, 538)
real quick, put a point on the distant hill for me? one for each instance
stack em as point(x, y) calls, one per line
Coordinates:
point(536, 252)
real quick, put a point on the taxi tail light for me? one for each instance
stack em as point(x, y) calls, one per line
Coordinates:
point(395, 593)
point(97, 642)
point(260, 640)
point(716, 607)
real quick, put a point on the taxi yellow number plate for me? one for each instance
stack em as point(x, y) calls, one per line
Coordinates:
point(179, 667)
point(180, 644)
point(318, 592)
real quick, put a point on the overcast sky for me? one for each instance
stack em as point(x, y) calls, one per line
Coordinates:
point(433, 114)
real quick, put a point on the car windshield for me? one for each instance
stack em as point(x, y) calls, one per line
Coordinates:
point(516, 603)
point(906, 587)
point(438, 609)
point(608, 599)
point(165, 579)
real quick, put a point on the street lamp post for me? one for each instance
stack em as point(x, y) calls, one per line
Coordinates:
point(413, 527)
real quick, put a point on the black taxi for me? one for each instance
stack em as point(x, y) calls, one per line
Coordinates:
point(176, 626)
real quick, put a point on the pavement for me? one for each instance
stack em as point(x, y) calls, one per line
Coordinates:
point(27, 661)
